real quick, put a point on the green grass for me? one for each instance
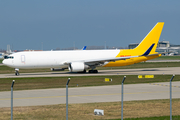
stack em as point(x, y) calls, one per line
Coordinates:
point(83, 81)
point(1, 60)
point(153, 118)
point(168, 58)
point(132, 110)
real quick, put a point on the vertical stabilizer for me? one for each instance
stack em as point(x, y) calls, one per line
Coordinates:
point(151, 38)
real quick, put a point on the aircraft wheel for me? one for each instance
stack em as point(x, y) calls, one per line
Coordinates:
point(90, 71)
point(93, 71)
point(84, 71)
point(16, 73)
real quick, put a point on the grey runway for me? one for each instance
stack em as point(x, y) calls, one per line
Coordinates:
point(90, 94)
point(142, 71)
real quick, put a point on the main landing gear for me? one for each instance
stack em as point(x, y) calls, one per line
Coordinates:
point(90, 71)
point(93, 71)
point(16, 71)
point(82, 71)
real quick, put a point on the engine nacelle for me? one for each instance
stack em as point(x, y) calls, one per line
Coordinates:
point(77, 67)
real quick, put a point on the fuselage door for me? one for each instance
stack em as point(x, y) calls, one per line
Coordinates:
point(23, 59)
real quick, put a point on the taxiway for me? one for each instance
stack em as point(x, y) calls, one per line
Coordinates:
point(90, 94)
point(142, 71)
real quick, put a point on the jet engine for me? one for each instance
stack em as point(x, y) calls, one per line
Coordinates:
point(77, 67)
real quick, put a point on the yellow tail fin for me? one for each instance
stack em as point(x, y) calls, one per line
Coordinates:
point(146, 50)
point(151, 38)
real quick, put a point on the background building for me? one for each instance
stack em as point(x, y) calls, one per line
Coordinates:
point(133, 45)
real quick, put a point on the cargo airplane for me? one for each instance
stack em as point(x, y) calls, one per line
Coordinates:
point(81, 60)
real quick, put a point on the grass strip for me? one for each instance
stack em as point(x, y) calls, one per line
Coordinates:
point(82, 81)
point(1, 60)
point(133, 110)
point(168, 58)
point(177, 117)
point(156, 118)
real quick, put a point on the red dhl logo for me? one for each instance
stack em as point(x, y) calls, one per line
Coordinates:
point(125, 55)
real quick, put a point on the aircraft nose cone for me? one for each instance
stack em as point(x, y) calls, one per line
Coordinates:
point(3, 61)
point(8, 62)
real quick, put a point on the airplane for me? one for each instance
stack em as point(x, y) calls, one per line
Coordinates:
point(81, 60)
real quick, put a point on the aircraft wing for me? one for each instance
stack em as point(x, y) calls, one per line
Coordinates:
point(103, 60)
point(109, 59)
point(153, 54)
point(100, 60)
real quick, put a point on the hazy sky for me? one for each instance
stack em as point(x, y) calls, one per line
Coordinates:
point(26, 24)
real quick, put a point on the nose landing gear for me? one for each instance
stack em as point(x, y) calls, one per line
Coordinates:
point(16, 71)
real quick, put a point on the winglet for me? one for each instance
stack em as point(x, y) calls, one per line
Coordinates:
point(84, 48)
point(149, 50)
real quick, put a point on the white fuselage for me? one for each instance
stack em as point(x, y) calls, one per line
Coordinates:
point(55, 59)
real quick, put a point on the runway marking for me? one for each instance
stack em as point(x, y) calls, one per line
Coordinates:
point(86, 95)
point(163, 85)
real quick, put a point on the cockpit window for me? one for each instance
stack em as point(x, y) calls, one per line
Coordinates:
point(8, 57)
